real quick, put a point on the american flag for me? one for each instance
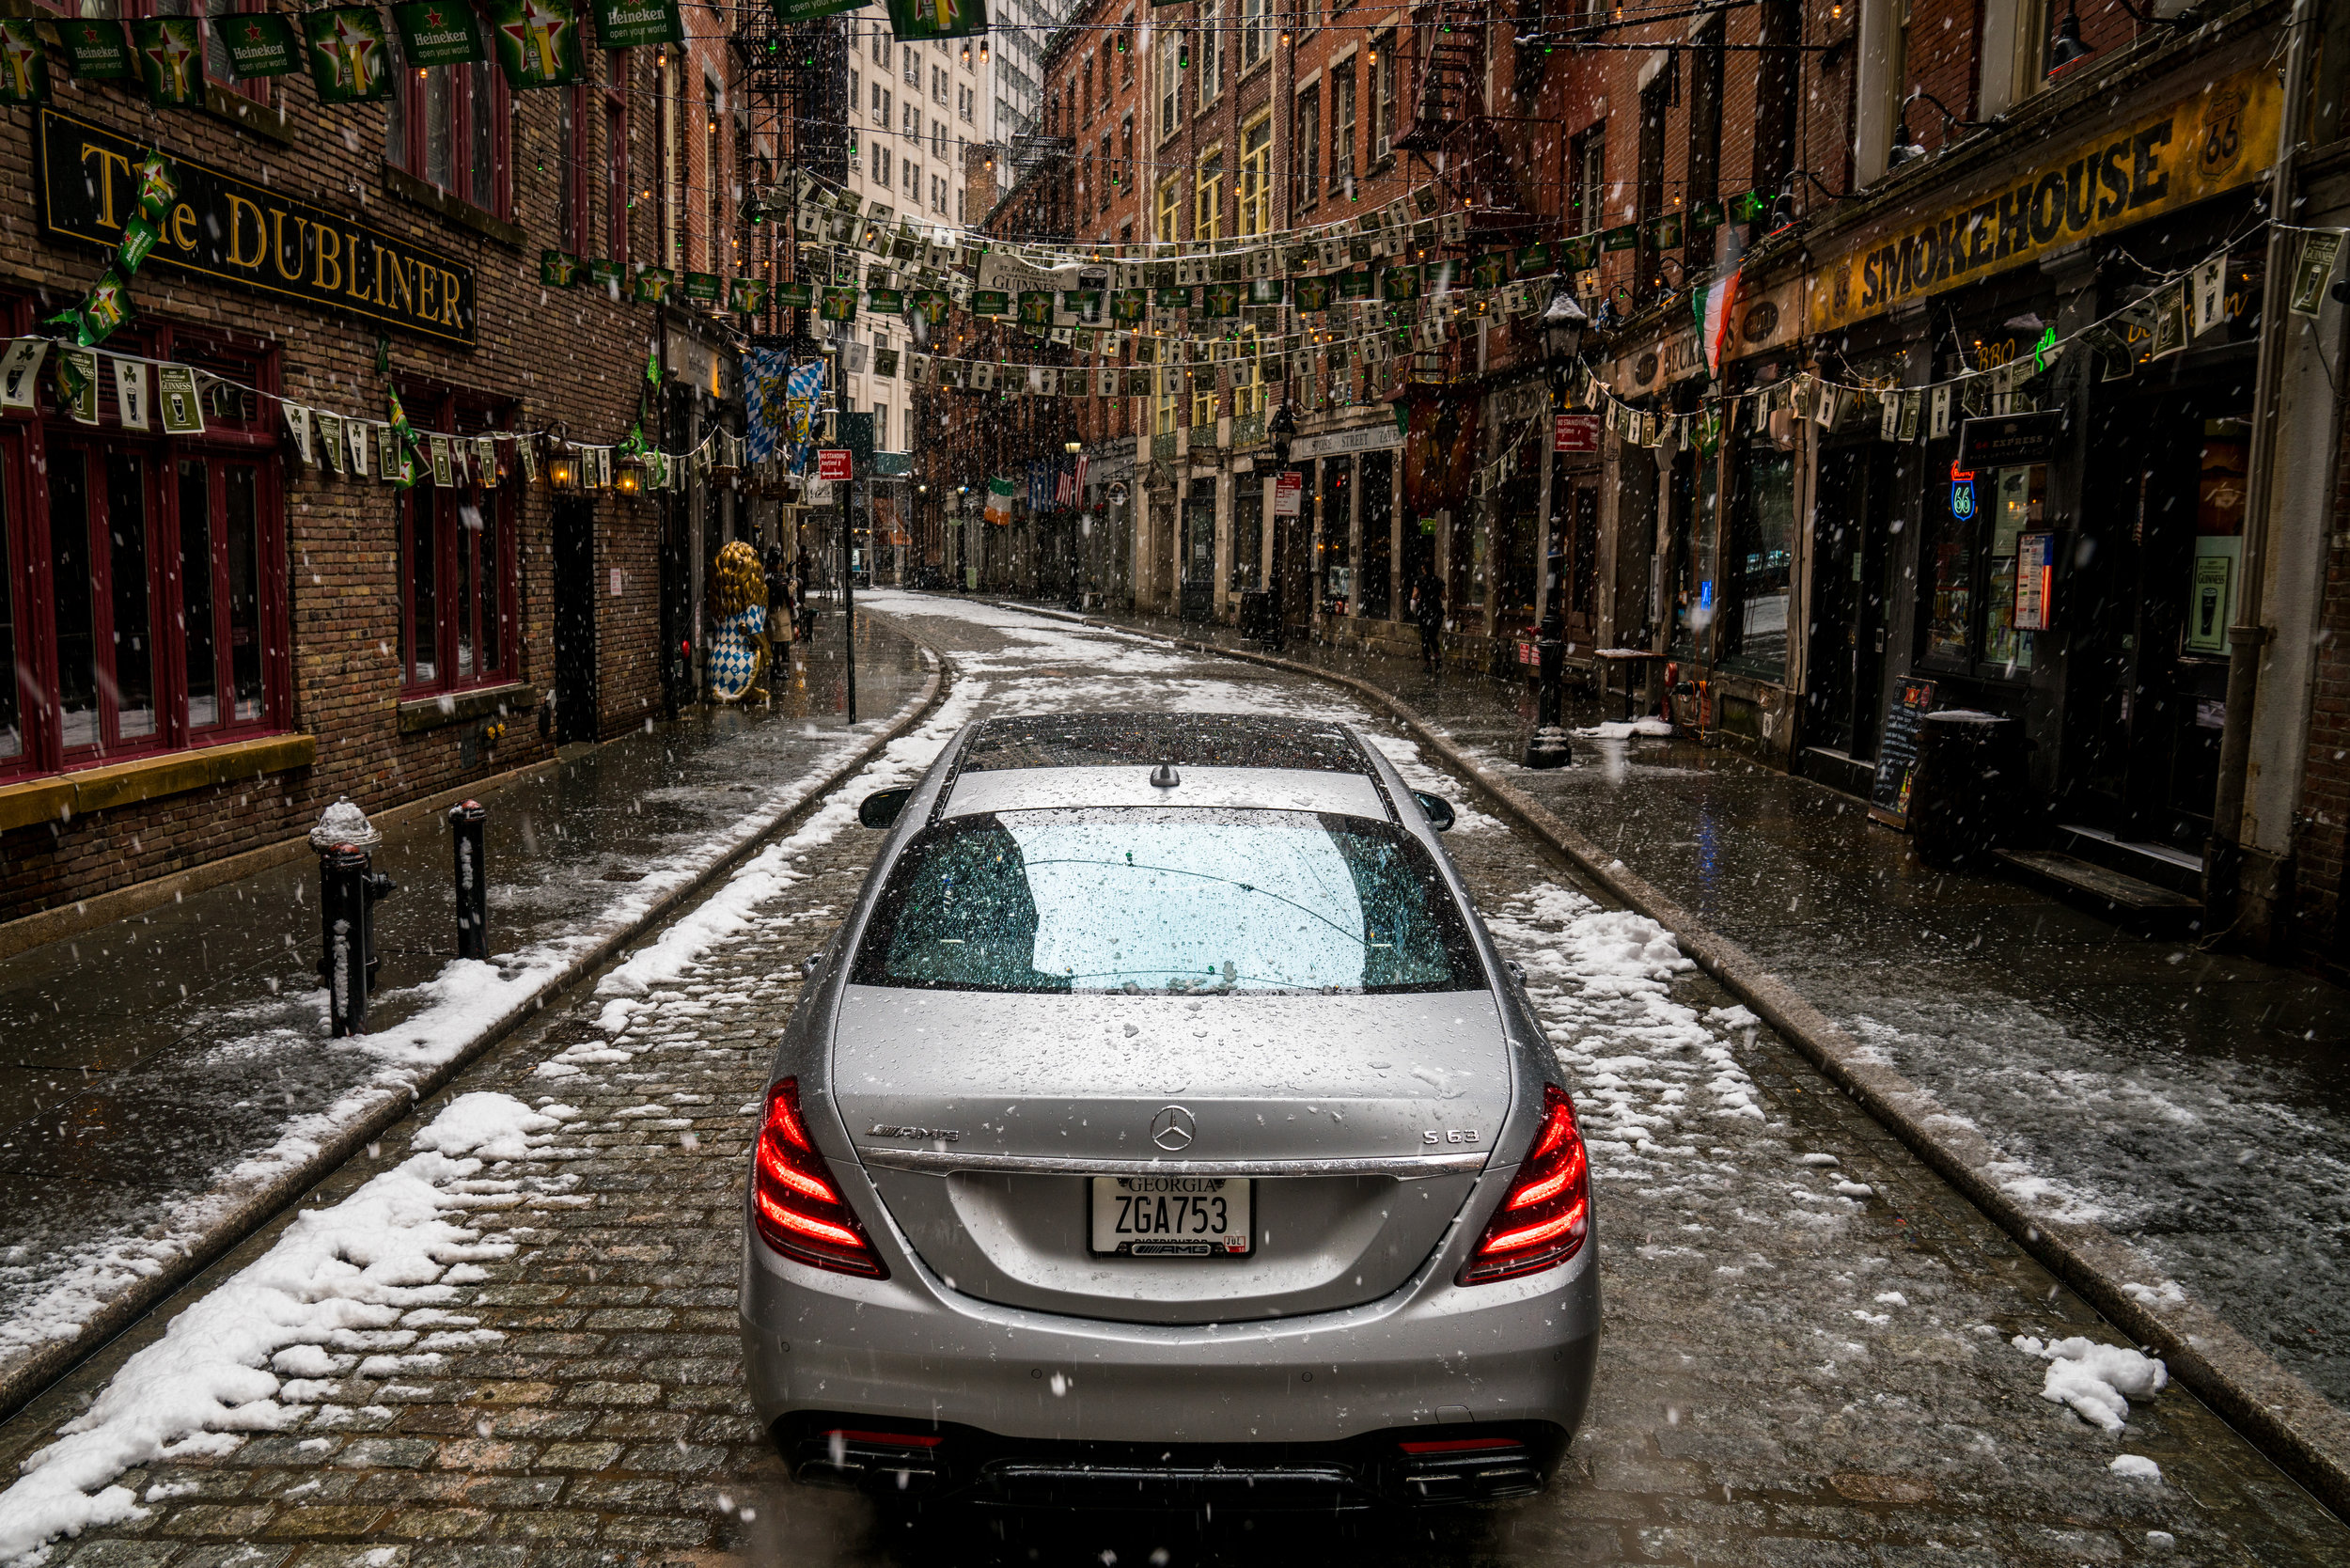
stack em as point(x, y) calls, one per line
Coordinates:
point(1065, 488)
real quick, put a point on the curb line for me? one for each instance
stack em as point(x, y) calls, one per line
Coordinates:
point(29, 1379)
point(2304, 1434)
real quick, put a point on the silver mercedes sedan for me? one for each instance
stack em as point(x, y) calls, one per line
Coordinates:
point(1161, 1128)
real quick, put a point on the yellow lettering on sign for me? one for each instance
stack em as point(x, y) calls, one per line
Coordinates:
point(352, 289)
point(428, 278)
point(278, 218)
point(387, 265)
point(449, 299)
point(328, 266)
point(2214, 141)
point(238, 210)
point(183, 228)
point(108, 163)
point(403, 298)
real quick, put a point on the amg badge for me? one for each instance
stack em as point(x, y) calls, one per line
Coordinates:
point(919, 1135)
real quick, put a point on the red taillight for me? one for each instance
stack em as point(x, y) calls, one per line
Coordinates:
point(1461, 1445)
point(798, 1210)
point(1543, 1221)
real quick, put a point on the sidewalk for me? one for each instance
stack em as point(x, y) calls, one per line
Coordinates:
point(2190, 1102)
point(159, 1074)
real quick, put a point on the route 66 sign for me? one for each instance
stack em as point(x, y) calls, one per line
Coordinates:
point(1962, 494)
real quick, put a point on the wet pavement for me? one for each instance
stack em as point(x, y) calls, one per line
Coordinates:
point(149, 1063)
point(2192, 1101)
point(1806, 1359)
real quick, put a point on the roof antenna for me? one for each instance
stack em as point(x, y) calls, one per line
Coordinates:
point(1163, 776)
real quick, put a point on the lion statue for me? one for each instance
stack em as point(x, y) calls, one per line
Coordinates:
point(738, 648)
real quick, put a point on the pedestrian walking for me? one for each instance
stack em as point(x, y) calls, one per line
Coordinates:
point(1428, 614)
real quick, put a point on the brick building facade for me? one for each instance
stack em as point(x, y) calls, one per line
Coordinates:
point(210, 639)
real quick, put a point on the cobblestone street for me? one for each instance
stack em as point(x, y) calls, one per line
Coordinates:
point(1810, 1354)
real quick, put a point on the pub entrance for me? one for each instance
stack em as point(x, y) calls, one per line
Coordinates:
point(575, 583)
point(1851, 526)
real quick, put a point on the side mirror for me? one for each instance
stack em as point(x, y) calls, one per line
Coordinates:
point(1438, 809)
point(881, 807)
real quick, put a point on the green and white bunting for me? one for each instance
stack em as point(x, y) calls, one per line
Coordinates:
point(349, 61)
point(169, 53)
point(24, 63)
point(96, 49)
point(259, 44)
point(438, 32)
point(937, 19)
point(538, 41)
point(625, 24)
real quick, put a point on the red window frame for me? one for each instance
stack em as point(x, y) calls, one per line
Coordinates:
point(35, 446)
point(413, 153)
point(455, 541)
point(616, 171)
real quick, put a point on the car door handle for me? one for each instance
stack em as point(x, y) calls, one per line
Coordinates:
point(1517, 970)
point(809, 964)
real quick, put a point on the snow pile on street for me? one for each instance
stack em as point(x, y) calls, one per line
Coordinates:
point(1651, 728)
point(2097, 1381)
point(1602, 981)
point(2137, 1467)
point(348, 1277)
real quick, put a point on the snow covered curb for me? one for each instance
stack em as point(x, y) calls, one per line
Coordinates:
point(473, 995)
point(2296, 1426)
point(369, 1274)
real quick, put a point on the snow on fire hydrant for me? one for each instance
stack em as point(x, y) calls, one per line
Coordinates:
point(348, 887)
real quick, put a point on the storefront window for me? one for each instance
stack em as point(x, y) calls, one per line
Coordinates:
point(1970, 618)
point(457, 584)
point(2018, 500)
point(1757, 566)
point(160, 626)
point(1247, 535)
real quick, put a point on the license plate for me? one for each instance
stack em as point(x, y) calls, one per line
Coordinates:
point(1172, 1216)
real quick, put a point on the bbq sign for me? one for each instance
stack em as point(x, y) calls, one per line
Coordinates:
point(224, 227)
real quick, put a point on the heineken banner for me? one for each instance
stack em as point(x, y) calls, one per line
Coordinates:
point(538, 41)
point(24, 63)
point(653, 285)
point(937, 19)
point(839, 305)
point(990, 301)
point(794, 296)
point(885, 302)
point(747, 296)
point(703, 288)
point(610, 276)
point(624, 24)
point(1129, 304)
point(96, 49)
point(557, 269)
point(438, 32)
point(349, 61)
point(809, 10)
point(169, 52)
point(261, 43)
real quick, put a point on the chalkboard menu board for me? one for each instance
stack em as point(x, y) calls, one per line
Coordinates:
point(1897, 754)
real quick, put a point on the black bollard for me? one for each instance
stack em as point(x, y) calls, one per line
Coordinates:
point(343, 900)
point(473, 883)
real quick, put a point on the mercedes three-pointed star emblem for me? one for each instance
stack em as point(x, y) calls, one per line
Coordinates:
point(1172, 1129)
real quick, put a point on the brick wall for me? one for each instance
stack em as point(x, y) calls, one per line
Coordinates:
point(573, 358)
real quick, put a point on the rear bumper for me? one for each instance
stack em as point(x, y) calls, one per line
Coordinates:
point(959, 1464)
point(1432, 1356)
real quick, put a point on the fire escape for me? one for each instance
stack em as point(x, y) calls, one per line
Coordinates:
point(796, 78)
point(1448, 60)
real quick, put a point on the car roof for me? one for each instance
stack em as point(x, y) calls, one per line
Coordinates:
point(1197, 740)
point(1224, 760)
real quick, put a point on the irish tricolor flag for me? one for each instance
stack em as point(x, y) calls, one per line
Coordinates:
point(1716, 304)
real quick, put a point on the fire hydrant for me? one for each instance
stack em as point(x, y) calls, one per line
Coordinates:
point(349, 886)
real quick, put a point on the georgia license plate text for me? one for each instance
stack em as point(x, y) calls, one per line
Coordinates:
point(1171, 1217)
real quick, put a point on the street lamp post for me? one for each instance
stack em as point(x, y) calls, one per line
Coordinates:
point(1548, 746)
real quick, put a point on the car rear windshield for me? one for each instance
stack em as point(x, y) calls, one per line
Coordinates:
point(1167, 900)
